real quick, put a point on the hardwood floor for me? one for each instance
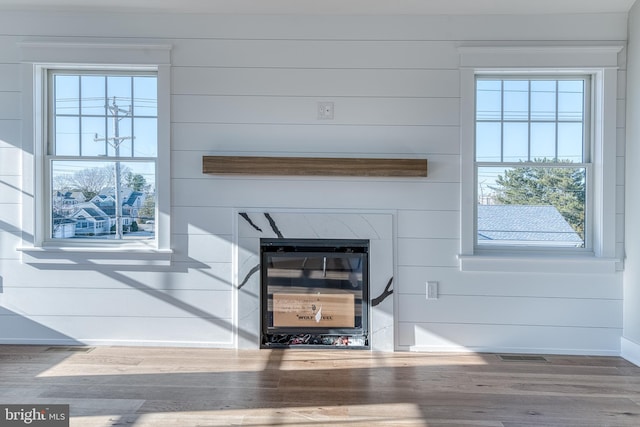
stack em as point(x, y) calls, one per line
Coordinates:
point(144, 387)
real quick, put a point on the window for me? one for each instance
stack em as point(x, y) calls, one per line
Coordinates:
point(101, 153)
point(543, 115)
point(532, 161)
point(96, 133)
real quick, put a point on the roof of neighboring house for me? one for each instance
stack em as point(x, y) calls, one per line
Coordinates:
point(68, 195)
point(524, 223)
point(75, 195)
point(109, 210)
point(59, 219)
point(132, 198)
point(125, 192)
point(92, 214)
point(107, 198)
point(89, 210)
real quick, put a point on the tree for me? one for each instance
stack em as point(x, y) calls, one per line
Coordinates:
point(561, 187)
point(148, 209)
point(63, 182)
point(89, 181)
point(135, 181)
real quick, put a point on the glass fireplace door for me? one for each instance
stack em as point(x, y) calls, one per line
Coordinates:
point(314, 287)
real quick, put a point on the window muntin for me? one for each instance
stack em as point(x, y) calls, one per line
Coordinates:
point(102, 136)
point(532, 155)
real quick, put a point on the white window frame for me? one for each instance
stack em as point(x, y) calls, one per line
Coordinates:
point(599, 62)
point(38, 57)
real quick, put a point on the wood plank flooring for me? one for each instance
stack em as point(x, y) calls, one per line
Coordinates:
point(144, 387)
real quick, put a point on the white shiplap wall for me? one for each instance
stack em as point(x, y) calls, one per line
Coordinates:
point(250, 84)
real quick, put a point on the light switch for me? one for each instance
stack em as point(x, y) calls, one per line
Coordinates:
point(432, 290)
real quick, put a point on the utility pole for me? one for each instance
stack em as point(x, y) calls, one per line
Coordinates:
point(115, 142)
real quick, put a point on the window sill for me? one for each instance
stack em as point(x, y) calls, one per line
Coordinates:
point(136, 255)
point(543, 263)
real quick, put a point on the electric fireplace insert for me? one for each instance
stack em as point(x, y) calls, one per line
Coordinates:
point(314, 292)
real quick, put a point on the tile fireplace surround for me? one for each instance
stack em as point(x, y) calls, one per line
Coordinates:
point(376, 227)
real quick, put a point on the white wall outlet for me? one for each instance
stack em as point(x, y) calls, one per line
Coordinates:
point(325, 110)
point(432, 290)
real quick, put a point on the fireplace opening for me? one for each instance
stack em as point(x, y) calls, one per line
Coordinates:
point(314, 293)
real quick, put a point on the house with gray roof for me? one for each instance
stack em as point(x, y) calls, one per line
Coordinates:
point(525, 224)
point(131, 203)
point(63, 227)
point(91, 220)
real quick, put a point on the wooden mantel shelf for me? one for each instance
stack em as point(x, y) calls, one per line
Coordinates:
point(314, 166)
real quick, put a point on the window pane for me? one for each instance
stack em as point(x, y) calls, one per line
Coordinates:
point(516, 142)
point(570, 142)
point(489, 100)
point(84, 200)
point(67, 97)
point(93, 97)
point(543, 100)
point(145, 101)
point(531, 206)
point(516, 100)
point(487, 177)
point(120, 136)
point(119, 93)
point(93, 143)
point(67, 136)
point(488, 142)
point(570, 100)
point(146, 138)
point(543, 141)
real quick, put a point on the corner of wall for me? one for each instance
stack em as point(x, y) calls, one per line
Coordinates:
point(631, 310)
point(630, 351)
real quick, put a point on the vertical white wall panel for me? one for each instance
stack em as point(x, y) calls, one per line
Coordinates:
point(631, 340)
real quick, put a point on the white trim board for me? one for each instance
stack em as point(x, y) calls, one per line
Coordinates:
point(630, 351)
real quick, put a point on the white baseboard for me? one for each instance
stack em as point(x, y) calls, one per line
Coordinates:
point(630, 351)
point(121, 343)
point(508, 350)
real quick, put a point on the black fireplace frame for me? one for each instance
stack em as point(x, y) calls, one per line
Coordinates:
point(314, 247)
